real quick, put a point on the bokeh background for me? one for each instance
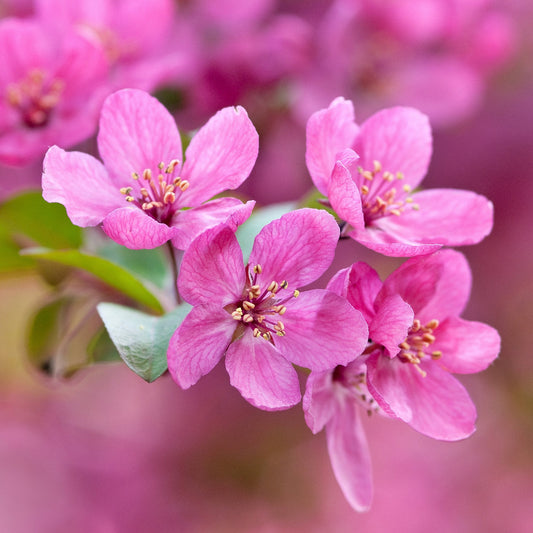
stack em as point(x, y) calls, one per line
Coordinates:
point(103, 451)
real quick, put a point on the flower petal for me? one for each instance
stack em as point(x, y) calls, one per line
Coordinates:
point(298, 247)
point(212, 270)
point(436, 404)
point(133, 228)
point(400, 139)
point(79, 182)
point(445, 216)
point(261, 374)
point(349, 454)
point(192, 222)
point(328, 132)
point(322, 331)
point(198, 344)
point(136, 133)
point(221, 155)
point(466, 346)
point(319, 401)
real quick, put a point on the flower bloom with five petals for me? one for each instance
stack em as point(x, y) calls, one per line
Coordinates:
point(144, 194)
point(255, 314)
point(370, 172)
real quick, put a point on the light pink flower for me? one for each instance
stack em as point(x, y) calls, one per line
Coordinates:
point(50, 89)
point(419, 340)
point(369, 174)
point(141, 190)
point(254, 314)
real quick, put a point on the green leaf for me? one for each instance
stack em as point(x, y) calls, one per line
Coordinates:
point(261, 217)
point(141, 339)
point(45, 224)
point(10, 259)
point(315, 200)
point(113, 275)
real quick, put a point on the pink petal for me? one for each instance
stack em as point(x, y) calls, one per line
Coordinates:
point(400, 139)
point(391, 323)
point(349, 454)
point(79, 182)
point(192, 222)
point(466, 346)
point(323, 331)
point(345, 197)
point(435, 286)
point(136, 133)
point(221, 155)
point(446, 216)
point(328, 132)
point(133, 228)
point(212, 270)
point(198, 344)
point(436, 405)
point(261, 374)
point(298, 247)
point(319, 400)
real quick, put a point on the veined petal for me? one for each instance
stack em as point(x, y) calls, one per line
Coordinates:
point(261, 374)
point(436, 404)
point(212, 270)
point(192, 222)
point(133, 228)
point(391, 323)
point(198, 344)
point(466, 346)
point(136, 133)
point(345, 197)
point(319, 402)
point(328, 132)
point(349, 454)
point(221, 155)
point(322, 331)
point(298, 247)
point(79, 182)
point(435, 286)
point(400, 139)
point(445, 216)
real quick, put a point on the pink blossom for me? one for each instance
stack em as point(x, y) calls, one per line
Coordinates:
point(141, 190)
point(50, 89)
point(255, 315)
point(419, 340)
point(369, 173)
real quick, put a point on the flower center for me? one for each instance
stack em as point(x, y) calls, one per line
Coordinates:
point(416, 345)
point(354, 383)
point(157, 196)
point(379, 196)
point(34, 97)
point(261, 308)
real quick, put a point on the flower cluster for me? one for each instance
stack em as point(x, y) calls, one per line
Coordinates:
point(386, 347)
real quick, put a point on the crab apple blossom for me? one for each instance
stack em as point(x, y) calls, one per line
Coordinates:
point(50, 89)
point(418, 340)
point(370, 172)
point(144, 194)
point(255, 315)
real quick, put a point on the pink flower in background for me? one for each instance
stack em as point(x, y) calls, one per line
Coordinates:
point(144, 193)
point(372, 188)
point(418, 340)
point(50, 89)
point(255, 315)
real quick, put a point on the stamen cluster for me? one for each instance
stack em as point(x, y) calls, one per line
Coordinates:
point(414, 347)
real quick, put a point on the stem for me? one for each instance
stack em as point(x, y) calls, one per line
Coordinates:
point(175, 270)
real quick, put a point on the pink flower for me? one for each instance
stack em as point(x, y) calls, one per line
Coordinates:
point(50, 89)
point(256, 317)
point(143, 187)
point(374, 194)
point(419, 340)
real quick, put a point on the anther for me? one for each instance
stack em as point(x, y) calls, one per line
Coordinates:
point(130, 199)
point(126, 190)
point(247, 318)
point(248, 305)
point(407, 188)
point(364, 189)
point(416, 325)
point(171, 166)
point(377, 166)
point(282, 310)
point(161, 165)
point(147, 174)
point(169, 198)
point(428, 337)
point(437, 354)
point(258, 269)
point(273, 287)
point(405, 346)
point(296, 293)
point(388, 176)
point(432, 324)
point(400, 176)
point(367, 175)
point(284, 284)
point(256, 332)
point(134, 175)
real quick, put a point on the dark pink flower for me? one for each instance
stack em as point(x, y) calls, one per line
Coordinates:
point(370, 173)
point(255, 315)
point(418, 340)
point(50, 89)
point(144, 194)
